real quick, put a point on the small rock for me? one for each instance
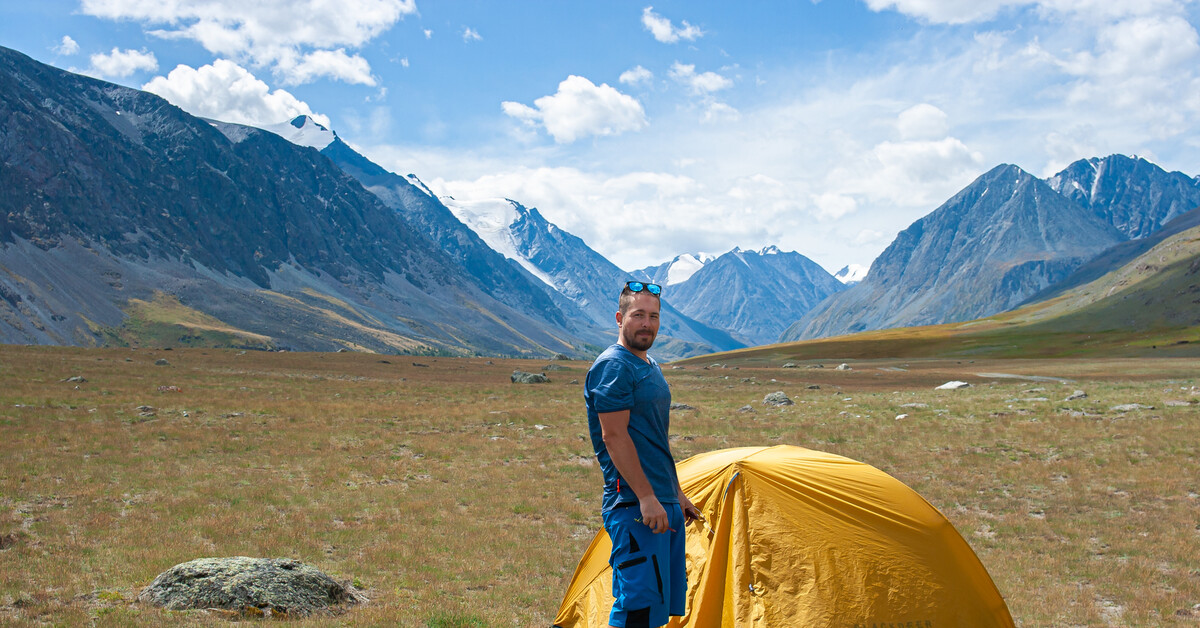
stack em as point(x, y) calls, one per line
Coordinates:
point(560, 356)
point(539, 427)
point(74, 379)
point(677, 368)
point(777, 398)
point(789, 365)
point(746, 408)
point(1177, 403)
point(425, 366)
point(169, 389)
point(1130, 407)
point(816, 366)
point(915, 405)
point(1078, 394)
point(953, 385)
point(901, 416)
point(521, 377)
point(161, 362)
point(681, 406)
point(844, 367)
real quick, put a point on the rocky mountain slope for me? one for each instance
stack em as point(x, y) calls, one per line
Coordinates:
point(114, 195)
point(570, 267)
point(1129, 193)
point(1003, 238)
point(754, 293)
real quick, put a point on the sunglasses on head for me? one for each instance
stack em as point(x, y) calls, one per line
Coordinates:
point(637, 286)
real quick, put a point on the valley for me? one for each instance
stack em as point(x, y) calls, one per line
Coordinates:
point(453, 497)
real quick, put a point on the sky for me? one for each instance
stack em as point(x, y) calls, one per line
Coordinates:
point(655, 129)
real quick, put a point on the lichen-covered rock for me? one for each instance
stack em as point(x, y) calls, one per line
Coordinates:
point(778, 398)
point(521, 377)
point(275, 585)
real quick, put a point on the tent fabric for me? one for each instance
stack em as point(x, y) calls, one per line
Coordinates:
point(796, 537)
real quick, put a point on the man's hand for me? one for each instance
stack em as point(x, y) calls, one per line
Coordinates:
point(653, 515)
point(690, 512)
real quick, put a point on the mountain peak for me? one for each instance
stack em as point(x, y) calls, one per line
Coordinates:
point(303, 131)
point(851, 274)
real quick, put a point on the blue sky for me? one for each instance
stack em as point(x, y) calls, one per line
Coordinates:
point(654, 129)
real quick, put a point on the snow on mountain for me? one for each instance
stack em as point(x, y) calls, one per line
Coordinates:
point(303, 131)
point(420, 185)
point(676, 271)
point(851, 274)
point(492, 220)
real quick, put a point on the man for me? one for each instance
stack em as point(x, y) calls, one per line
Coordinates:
point(644, 509)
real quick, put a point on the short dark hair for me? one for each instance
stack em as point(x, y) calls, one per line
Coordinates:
point(627, 297)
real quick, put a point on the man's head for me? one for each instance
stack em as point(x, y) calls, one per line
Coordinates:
point(638, 317)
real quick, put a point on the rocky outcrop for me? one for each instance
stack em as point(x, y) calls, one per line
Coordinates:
point(248, 585)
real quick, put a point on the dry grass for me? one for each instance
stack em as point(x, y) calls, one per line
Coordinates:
point(455, 498)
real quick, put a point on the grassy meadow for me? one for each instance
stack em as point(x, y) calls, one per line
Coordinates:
point(452, 497)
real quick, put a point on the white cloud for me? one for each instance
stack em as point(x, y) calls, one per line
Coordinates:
point(946, 11)
point(665, 32)
point(720, 112)
point(636, 75)
point(580, 108)
point(831, 206)
point(470, 34)
point(279, 34)
point(66, 47)
point(428, 33)
point(122, 63)
point(226, 91)
point(702, 83)
point(922, 122)
point(333, 64)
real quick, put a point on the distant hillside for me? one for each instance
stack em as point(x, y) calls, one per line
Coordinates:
point(1005, 237)
point(1148, 307)
point(754, 293)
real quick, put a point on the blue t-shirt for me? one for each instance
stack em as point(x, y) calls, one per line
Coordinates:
point(620, 380)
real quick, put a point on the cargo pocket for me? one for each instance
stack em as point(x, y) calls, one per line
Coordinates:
point(636, 583)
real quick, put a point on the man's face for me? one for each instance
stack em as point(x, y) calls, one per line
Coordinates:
point(639, 323)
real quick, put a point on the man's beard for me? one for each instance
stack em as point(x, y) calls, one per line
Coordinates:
point(642, 341)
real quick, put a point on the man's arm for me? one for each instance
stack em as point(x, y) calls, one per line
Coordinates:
point(614, 429)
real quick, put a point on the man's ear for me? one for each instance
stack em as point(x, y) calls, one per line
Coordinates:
point(618, 318)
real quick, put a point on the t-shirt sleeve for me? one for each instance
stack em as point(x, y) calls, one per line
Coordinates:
point(611, 386)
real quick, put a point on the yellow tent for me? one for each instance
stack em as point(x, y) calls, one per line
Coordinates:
point(796, 537)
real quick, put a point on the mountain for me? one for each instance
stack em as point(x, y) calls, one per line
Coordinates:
point(1129, 193)
point(851, 274)
point(570, 267)
point(117, 202)
point(420, 208)
point(754, 293)
point(1118, 256)
point(1004, 237)
point(1148, 306)
point(676, 271)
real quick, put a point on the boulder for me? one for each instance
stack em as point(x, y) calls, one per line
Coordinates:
point(843, 367)
point(248, 585)
point(777, 398)
point(1130, 407)
point(521, 377)
point(953, 385)
point(1078, 394)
